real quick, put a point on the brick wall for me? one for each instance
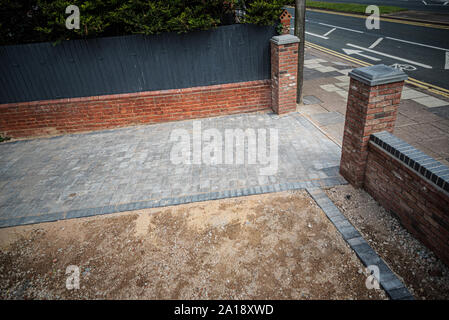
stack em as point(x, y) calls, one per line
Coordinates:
point(370, 109)
point(413, 186)
point(404, 180)
point(53, 117)
point(102, 112)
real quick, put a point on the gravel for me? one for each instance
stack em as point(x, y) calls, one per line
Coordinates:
point(426, 276)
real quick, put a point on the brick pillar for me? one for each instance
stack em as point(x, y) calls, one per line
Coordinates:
point(373, 101)
point(284, 71)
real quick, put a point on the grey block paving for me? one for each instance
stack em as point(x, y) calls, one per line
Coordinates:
point(311, 100)
point(392, 285)
point(328, 118)
point(441, 111)
point(125, 169)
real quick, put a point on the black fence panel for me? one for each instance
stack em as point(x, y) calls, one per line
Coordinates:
point(81, 68)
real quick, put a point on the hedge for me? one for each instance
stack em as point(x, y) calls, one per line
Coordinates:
point(24, 21)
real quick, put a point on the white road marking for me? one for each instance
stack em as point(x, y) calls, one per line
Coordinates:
point(375, 43)
point(406, 67)
point(359, 52)
point(446, 65)
point(435, 4)
point(316, 35)
point(390, 56)
point(329, 32)
point(332, 26)
point(418, 44)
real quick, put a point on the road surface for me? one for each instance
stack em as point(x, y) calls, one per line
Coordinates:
point(422, 52)
point(420, 5)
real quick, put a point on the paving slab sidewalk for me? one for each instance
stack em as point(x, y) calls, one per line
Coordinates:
point(421, 16)
point(423, 119)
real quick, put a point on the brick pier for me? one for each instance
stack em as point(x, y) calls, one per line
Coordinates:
point(373, 100)
point(284, 71)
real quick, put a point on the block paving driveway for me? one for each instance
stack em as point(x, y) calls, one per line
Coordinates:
point(123, 169)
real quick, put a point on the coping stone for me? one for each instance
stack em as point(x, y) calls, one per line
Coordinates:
point(284, 39)
point(413, 158)
point(378, 74)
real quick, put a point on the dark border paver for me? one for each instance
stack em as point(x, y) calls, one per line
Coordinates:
point(392, 285)
point(415, 159)
point(81, 213)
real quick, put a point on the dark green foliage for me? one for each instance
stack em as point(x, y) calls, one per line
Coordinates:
point(23, 21)
point(263, 12)
point(3, 139)
point(18, 20)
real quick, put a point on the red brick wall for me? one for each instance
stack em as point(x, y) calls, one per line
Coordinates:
point(284, 70)
point(369, 110)
point(421, 206)
point(109, 111)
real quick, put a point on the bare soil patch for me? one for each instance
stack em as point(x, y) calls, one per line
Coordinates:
point(423, 273)
point(274, 246)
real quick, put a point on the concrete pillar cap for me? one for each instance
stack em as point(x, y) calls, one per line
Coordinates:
point(284, 39)
point(378, 74)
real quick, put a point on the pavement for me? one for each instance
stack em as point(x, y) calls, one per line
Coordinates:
point(423, 119)
point(127, 169)
point(421, 50)
point(436, 17)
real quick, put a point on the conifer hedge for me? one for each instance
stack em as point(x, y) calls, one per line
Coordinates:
point(24, 21)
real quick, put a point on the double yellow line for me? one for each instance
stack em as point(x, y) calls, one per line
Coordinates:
point(421, 84)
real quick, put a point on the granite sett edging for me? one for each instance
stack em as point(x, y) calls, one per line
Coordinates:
point(165, 202)
point(392, 285)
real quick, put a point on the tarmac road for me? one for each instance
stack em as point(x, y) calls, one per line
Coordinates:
point(420, 5)
point(422, 52)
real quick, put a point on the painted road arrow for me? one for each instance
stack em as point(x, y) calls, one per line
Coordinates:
point(359, 52)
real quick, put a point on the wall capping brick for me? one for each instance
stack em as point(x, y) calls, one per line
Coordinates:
point(436, 172)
